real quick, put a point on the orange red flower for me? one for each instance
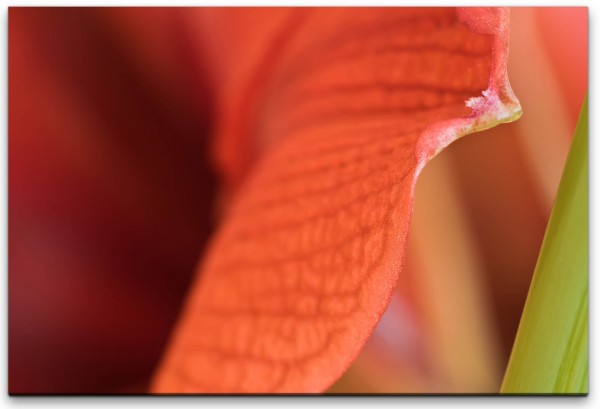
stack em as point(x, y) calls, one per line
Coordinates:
point(297, 134)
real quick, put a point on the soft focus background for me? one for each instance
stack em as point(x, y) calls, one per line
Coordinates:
point(110, 193)
point(113, 195)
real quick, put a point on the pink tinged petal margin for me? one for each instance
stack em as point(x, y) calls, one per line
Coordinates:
point(498, 103)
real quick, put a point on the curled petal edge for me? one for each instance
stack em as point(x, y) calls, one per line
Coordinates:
point(204, 355)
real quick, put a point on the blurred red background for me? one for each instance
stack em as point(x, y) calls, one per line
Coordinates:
point(110, 191)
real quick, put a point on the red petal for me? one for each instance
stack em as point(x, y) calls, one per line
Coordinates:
point(355, 104)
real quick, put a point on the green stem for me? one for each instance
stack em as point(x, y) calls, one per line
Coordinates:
point(550, 354)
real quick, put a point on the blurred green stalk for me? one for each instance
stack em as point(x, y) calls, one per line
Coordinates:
point(550, 354)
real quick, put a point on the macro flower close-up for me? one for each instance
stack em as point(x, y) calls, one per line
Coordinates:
point(297, 200)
